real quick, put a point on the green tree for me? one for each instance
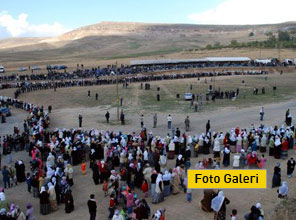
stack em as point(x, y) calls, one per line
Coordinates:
point(234, 43)
point(251, 34)
point(209, 47)
point(284, 36)
point(217, 45)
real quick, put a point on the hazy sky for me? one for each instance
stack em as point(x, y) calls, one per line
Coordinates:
point(20, 18)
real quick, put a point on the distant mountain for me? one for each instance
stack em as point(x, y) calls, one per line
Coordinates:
point(121, 39)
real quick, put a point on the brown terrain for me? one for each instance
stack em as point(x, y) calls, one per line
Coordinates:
point(108, 42)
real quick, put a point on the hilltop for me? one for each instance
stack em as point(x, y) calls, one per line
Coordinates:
point(114, 40)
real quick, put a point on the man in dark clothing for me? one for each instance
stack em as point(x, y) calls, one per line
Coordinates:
point(97, 95)
point(49, 108)
point(80, 121)
point(88, 93)
point(107, 115)
point(122, 118)
point(6, 180)
point(208, 126)
point(92, 207)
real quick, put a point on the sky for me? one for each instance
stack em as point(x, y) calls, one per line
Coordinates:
point(36, 18)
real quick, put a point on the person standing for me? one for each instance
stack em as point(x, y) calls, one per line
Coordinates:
point(44, 201)
point(97, 96)
point(80, 121)
point(107, 116)
point(155, 120)
point(169, 121)
point(88, 93)
point(261, 113)
point(290, 167)
point(218, 204)
point(187, 123)
point(6, 179)
point(142, 121)
point(208, 126)
point(122, 117)
point(92, 207)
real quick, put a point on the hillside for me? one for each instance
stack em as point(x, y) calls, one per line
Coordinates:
point(113, 40)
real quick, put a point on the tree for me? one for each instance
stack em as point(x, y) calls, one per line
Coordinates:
point(251, 34)
point(209, 47)
point(217, 45)
point(284, 36)
point(233, 43)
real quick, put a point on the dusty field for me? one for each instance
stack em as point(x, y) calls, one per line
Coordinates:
point(69, 103)
point(222, 120)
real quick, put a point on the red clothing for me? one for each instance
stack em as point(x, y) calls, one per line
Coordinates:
point(285, 145)
point(112, 203)
point(144, 187)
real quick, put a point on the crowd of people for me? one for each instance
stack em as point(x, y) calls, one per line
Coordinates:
point(27, 86)
point(134, 167)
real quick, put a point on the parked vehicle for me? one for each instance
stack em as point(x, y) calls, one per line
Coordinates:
point(5, 110)
point(22, 69)
point(2, 69)
point(188, 96)
point(35, 68)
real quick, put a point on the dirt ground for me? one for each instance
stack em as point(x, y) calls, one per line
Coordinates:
point(177, 208)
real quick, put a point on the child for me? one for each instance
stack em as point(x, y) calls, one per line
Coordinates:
point(105, 188)
point(189, 195)
point(28, 181)
point(145, 188)
point(83, 168)
point(112, 206)
point(233, 214)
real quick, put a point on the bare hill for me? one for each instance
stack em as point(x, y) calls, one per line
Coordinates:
point(109, 40)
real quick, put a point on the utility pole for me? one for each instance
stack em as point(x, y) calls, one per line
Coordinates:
point(117, 92)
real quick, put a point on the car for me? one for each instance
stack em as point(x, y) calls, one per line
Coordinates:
point(2, 69)
point(5, 110)
point(188, 96)
point(62, 67)
point(35, 68)
point(22, 69)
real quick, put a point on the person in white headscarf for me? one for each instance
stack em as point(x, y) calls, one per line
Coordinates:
point(277, 147)
point(3, 202)
point(44, 201)
point(218, 204)
point(52, 197)
point(117, 215)
point(171, 153)
point(283, 190)
point(259, 207)
point(50, 160)
point(236, 158)
point(179, 160)
point(167, 183)
point(163, 163)
point(158, 190)
point(226, 158)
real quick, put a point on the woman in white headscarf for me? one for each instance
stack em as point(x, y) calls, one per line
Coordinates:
point(171, 153)
point(158, 190)
point(277, 147)
point(163, 163)
point(3, 202)
point(218, 204)
point(44, 201)
point(179, 160)
point(226, 158)
point(283, 190)
point(52, 197)
point(167, 183)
